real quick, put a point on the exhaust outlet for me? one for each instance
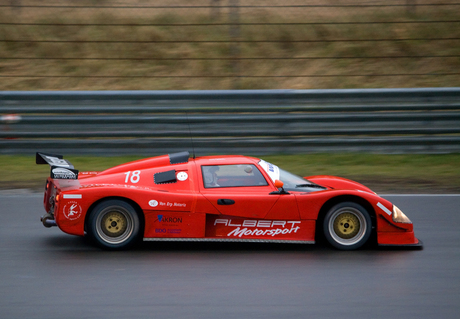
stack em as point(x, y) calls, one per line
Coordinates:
point(48, 221)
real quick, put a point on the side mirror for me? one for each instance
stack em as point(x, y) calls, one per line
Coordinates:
point(279, 184)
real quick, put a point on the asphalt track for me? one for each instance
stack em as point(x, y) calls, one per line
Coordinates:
point(45, 273)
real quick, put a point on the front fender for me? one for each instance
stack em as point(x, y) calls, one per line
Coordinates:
point(334, 182)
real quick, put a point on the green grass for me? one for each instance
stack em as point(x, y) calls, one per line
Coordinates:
point(152, 57)
point(382, 173)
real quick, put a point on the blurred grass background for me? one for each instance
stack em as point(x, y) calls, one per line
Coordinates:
point(195, 44)
point(415, 173)
point(244, 44)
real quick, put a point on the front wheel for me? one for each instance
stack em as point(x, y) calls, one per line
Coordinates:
point(347, 226)
point(114, 224)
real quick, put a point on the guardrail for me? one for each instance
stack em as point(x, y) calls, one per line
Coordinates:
point(248, 122)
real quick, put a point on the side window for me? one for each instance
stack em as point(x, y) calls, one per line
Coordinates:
point(232, 176)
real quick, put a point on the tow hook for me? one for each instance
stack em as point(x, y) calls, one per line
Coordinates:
point(48, 220)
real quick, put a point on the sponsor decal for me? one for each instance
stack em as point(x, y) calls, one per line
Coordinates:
point(72, 210)
point(154, 203)
point(63, 173)
point(72, 196)
point(272, 170)
point(259, 227)
point(169, 219)
point(168, 231)
point(89, 173)
point(182, 176)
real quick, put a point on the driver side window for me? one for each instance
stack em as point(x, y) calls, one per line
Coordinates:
point(215, 176)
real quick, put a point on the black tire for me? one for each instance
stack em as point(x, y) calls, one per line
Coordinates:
point(114, 225)
point(347, 226)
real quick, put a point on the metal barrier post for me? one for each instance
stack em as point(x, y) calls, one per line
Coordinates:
point(235, 33)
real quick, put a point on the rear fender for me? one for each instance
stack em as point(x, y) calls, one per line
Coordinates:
point(138, 209)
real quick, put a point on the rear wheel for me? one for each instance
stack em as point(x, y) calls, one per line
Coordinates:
point(114, 224)
point(347, 226)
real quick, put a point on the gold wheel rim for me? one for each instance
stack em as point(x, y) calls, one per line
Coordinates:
point(346, 225)
point(114, 224)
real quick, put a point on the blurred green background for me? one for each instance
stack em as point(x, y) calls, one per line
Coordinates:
point(237, 44)
point(228, 44)
point(382, 173)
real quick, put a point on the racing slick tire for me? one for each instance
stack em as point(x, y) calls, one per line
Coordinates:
point(347, 226)
point(114, 225)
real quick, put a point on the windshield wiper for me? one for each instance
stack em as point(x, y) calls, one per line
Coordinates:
point(310, 185)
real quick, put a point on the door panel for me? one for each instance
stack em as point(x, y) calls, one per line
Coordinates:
point(285, 208)
point(245, 205)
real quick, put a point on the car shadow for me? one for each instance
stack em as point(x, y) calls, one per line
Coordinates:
point(74, 243)
point(64, 242)
point(226, 246)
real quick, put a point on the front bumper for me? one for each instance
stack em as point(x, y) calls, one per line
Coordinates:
point(416, 246)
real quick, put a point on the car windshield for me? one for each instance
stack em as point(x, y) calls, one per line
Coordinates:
point(290, 181)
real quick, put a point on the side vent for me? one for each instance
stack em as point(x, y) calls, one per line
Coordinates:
point(179, 158)
point(167, 177)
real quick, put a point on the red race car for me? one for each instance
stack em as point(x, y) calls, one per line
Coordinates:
point(216, 198)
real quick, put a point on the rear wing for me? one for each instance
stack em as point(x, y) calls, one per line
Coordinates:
point(60, 168)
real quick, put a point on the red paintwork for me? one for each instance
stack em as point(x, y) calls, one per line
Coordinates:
point(186, 209)
point(335, 182)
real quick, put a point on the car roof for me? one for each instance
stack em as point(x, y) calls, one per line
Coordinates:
point(225, 160)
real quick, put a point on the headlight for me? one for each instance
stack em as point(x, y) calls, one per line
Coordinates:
point(399, 217)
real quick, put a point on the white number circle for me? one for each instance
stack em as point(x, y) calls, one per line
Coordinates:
point(182, 176)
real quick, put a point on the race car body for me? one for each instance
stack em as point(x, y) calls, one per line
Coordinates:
point(216, 198)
